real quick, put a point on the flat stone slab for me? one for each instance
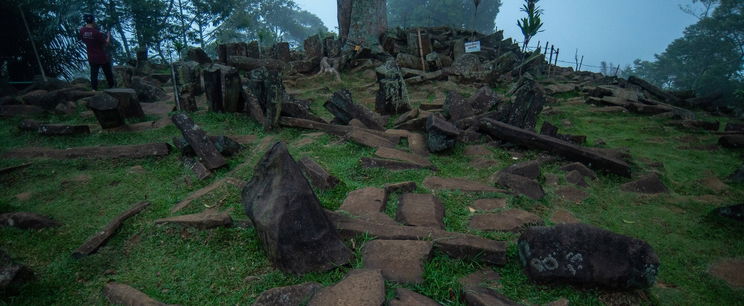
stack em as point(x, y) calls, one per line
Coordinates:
point(511, 220)
point(364, 201)
point(649, 184)
point(371, 162)
point(361, 287)
point(478, 289)
point(576, 178)
point(289, 295)
point(456, 245)
point(528, 169)
point(121, 294)
point(522, 185)
point(203, 220)
point(420, 210)
point(440, 183)
point(489, 204)
point(405, 297)
point(571, 194)
point(729, 270)
point(400, 187)
point(562, 216)
point(391, 153)
point(477, 151)
point(128, 151)
point(399, 260)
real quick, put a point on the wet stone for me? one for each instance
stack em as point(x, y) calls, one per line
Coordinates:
point(399, 260)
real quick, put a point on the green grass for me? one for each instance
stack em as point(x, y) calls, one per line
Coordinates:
point(227, 265)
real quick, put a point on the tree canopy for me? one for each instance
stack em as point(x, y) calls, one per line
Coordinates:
point(453, 13)
point(708, 59)
point(162, 27)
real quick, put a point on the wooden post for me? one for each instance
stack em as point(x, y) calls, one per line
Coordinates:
point(538, 46)
point(551, 58)
point(617, 69)
point(576, 59)
point(581, 63)
point(546, 47)
point(421, 50)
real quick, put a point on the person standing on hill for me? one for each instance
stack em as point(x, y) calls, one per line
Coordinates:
point(95, 41)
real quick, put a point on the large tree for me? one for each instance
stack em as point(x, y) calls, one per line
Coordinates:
point(459, 14)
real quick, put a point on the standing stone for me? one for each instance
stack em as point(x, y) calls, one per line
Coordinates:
point(440, 134)
point(212, 77)
point(332, 47)
point(198, 55)
point(129, 106)
point(458, 48)
point(294, 230)
point(123, 75)
point(318, 176)
point(361, 287)
point(199, 141)
point(281, 52)
point(586, 255)
point(266, 85)
point(147, 90)
point(231, 91)
point(399, 260)
point(392, 97)
point(106, 110)
point(313, 47)
point(527, 105)
point(420, 210)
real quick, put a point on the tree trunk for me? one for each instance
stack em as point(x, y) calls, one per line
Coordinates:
point(361, 22)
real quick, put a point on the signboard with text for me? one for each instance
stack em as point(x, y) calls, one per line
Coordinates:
point(472, 46)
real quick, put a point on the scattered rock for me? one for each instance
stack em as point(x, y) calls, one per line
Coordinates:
point(420, 210)
point(199, 141)
point(512, 220)
point(344, 110)
point(12, 275)
point(713, 183)
point(399, 260)
point(562, 216)
point(586, 255)
point(137, 170)
point(405, 297)
point(441, 135)
point(440, 183)
point(732, 141)
point(489, 204)
point(551, 179)
point(583, 170)
point(371, 162)
point(27, 220)
point(572, 194)
point(649, 184)
point(204, 220)
point(574, 177)
point(295, 232)
point(361, 287)
point(368, 139)
point(392, 97)
point(528, 169)
point(289, 295)
point(318, 176)
point(401, 187)
point(521, 184)
point(560, 302)
point(24, 196)
point(483, 163)
point(735, 212)
point(456, 245)
point(478, 289)
point(121, 294)
point(729, 270)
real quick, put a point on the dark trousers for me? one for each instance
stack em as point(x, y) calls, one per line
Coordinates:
point(106, 71)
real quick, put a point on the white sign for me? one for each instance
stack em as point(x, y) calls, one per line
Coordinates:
point(472, 46)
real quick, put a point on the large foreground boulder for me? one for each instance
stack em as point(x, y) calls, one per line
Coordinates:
point(586, 255)
point(295, 232)
point(12, 274)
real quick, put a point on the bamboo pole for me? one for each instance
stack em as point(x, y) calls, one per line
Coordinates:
point(421, 50)
point(33, 44)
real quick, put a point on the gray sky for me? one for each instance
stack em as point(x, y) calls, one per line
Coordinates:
point(616, 31)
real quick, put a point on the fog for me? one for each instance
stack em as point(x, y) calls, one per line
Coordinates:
point(602, 30)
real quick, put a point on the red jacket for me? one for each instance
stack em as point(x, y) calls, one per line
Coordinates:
point(95, 42)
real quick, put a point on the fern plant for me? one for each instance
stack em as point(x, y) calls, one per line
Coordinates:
point(530, 25)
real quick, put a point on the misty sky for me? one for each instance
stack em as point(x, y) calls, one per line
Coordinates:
point(616, 31)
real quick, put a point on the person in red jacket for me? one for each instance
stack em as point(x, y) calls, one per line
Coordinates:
point(95, 41)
